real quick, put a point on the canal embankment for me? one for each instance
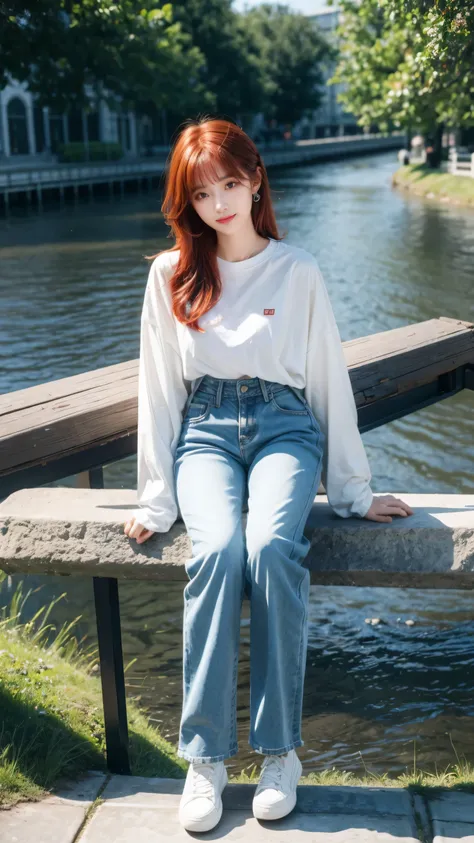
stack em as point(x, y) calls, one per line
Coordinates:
point(442, 186)
point(42, 181)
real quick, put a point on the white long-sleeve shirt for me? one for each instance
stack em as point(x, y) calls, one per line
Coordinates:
point(297, 344)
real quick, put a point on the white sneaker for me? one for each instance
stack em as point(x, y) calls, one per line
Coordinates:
point(200, 808)
point(275, 794)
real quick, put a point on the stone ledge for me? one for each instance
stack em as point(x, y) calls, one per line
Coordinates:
point(59, 530)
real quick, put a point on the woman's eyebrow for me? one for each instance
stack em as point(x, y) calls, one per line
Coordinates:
point(199, 186)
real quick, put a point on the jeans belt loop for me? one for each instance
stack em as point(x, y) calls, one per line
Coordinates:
point(264, 389)
point(194, 389)
point(299, 392)
point(220, 387)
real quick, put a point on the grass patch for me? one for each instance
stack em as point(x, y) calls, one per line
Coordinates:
point(52, 722)
point(423, 181)
point(459, 776)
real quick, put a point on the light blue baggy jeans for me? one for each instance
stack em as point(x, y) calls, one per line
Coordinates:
point(255, 442)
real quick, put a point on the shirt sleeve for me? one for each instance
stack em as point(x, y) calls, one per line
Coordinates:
point(162, 394)
point(345, 472)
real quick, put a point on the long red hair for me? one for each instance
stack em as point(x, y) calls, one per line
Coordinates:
point(204, 146)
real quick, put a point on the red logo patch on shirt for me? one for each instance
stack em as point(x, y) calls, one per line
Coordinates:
point(269, 312)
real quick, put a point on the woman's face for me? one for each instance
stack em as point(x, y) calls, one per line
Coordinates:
point(228, 197)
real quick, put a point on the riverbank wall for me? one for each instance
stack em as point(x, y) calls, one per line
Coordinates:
point(437, 185)
point(33, 184)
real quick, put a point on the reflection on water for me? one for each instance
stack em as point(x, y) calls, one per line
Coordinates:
point(72, 284)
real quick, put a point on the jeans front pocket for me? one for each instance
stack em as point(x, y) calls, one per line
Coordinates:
point(287, 401)
point(291, 401)
point(197, 411)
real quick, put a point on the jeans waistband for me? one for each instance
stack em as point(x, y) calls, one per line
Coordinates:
point(232, 388)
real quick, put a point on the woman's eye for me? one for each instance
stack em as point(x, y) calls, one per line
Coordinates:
point(198, 195)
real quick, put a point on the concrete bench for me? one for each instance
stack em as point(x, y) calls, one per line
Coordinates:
point(57, 530)
point(70, 531)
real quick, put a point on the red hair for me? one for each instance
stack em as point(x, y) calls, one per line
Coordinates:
point(202, 147)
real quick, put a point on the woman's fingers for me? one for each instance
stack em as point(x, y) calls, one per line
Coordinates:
point(396, 510)
point(144, 536)
point(390, 500)
point(386, 506)
point(134, 530)
point(404, 506)
point(130, 528)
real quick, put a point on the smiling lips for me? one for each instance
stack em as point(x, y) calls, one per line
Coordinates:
point(226, 219)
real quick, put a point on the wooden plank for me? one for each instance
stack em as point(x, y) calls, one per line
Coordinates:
point(44, 422)
point(34, 396)
point(402, 359)
point(373, 347)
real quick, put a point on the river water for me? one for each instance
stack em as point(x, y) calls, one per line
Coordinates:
point(72, 283)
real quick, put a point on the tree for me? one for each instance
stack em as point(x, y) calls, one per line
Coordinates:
point(123, 49)
point(230, 69)
point(408, 63)
point(441, 68)
point(288, 52)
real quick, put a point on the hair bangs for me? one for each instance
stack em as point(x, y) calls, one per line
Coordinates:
point(210, 166)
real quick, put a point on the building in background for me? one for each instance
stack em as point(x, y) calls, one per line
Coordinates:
point(28, 130)
point(330, 119)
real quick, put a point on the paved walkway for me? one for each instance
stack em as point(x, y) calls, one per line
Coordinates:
point(132, 809)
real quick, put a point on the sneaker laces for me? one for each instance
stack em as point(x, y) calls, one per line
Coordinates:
point(202, 779)
point(272, 769)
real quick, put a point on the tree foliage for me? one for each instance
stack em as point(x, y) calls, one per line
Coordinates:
point(408, 63)
point(230, 69)
point(129, 49)
point(288, 52)
point(188, 57)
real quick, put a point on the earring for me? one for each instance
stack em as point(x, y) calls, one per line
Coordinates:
point(256, 197)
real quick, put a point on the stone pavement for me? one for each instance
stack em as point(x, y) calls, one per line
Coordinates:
point(133, 809)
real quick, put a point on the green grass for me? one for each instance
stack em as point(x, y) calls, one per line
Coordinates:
point(423, 181)
point(52, 725)
point(459, 776)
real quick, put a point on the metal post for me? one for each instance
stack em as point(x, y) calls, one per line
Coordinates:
point(107, 612)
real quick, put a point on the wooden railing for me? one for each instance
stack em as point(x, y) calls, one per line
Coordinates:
point(86, 421)
point(461, 163)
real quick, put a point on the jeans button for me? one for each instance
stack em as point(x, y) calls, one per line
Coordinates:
point(244, 388)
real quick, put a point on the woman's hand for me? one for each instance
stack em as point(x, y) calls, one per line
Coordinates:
point(134, 530)
point(384, 506)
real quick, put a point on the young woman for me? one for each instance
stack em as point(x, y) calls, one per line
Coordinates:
point(244, 400)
